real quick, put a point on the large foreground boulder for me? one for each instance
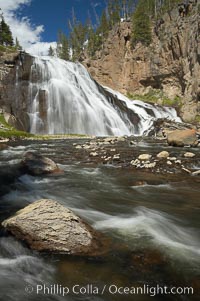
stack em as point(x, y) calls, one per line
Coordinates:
point(182, 138)
point(45, 225)
point(36, 164)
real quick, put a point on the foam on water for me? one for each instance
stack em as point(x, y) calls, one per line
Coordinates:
point(10, 162)
point(157, 227)
point(146, 187)
point(19, 267)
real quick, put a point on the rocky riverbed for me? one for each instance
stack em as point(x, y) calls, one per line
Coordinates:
point(150, 217)
point(127, 152)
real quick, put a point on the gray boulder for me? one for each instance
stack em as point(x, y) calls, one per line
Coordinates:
point(36, 164)
point(45, 225)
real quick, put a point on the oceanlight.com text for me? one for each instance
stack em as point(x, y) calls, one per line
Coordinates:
point(112, 289)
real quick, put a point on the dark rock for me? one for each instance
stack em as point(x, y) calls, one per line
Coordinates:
point(148, 259)
point(139, 183)
point(36, 164)
point(3, 146)
point(47, 226)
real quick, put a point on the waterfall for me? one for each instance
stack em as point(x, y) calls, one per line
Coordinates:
point(65, 99)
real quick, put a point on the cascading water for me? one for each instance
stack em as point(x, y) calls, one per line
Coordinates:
point(65, 99)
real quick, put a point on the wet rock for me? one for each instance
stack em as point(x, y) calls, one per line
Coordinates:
point(107, 159)
point(139, 183)
point(182, 138)
point(135, 162)
point(36, 164)
point(45, 225)
point(163, 155)
point(144, 157)
point(78, 147)
point(150, 165)
point(186, 170)
point(196, 173)
point(86, 146)
point(3, 146)
point(148, 260)
point(93, 154)
point(4, 140)
point(172, 159)
point(121, 139)
point(189, 155)
point(109, 139)
point(93, 143)
point(116, 157)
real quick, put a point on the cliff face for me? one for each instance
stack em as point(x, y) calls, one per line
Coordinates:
point(14, 88)
point(7, 63)
point(171, 63)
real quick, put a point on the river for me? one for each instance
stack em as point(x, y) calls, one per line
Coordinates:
point(153, 228)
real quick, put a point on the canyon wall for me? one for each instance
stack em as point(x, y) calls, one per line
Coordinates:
point(14, 88)
point(171, 63)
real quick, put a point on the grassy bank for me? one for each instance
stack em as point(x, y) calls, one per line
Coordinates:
point(8, 49)
point(157, 97)
point(7, 131)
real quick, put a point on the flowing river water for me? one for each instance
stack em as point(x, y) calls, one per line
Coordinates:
point(154, 228)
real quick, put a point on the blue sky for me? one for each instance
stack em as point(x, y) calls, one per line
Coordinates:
point(36, 22)
point(55, 14)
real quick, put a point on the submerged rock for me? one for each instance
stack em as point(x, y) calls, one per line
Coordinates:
point(182, 138)
point(139, 183)
point(3, 146)
point(45, 225)
point(36, 164)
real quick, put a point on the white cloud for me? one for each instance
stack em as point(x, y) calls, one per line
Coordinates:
point(97, 4)
point(41, 48)
point(28, 34)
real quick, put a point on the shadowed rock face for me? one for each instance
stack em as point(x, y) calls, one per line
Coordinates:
point(45, 225)
point(15, 91)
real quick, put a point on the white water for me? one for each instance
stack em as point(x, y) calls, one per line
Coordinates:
point(156, 226)
point(73, 104)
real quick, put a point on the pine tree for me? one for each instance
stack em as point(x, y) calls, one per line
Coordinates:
point(94, 42)
point(141, 25)
point(78, 37)
point(51, 51)
point(6, 35)
point(65, 48)
point(103, 28)
point(62, 46)
point(114, 9)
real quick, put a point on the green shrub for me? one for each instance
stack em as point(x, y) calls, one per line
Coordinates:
point(157, 96)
